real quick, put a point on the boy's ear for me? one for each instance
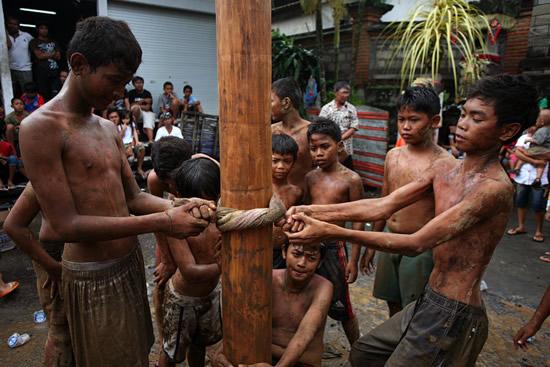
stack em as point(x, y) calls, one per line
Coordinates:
point(436, 121)
point(283, 251)
point(508, 131)
point(340, 146)
point(286, 103)
point(78, 63)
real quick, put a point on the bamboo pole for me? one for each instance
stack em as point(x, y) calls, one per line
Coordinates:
point(243, 30)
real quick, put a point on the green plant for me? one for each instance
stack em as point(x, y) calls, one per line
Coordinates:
point(438, 29)
point(291, 60)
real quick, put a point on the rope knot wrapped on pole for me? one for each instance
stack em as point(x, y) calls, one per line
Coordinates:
point(230, 219)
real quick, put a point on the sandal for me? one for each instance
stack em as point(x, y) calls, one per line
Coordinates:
point(514, 231)
point(538, 238)
point(10, 287)
point(546, 259)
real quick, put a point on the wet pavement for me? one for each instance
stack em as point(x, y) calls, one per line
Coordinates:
point(516, 278)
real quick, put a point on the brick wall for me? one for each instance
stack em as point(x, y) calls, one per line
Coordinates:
point(517, 44)
point(372, 16)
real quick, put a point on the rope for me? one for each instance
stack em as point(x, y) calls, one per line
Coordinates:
point(229, 219)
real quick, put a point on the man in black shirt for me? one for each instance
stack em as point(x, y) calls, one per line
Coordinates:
point(139, 98)
point(46, 57)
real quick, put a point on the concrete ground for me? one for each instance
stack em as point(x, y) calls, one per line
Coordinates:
point(516, 278)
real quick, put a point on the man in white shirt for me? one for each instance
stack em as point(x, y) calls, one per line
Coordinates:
point(19, 54)
point(526, 193)
point(344, 115)
point(168, 128)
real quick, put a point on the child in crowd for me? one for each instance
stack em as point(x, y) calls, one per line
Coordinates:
point(284, 154)
point(128, 132)
point(148, 119)
point(401, 279)
point(189, 102)
point(13, 122)
point(8, 157)
point(191, 310)
point(31, 99)
point(539, 143)
point(58, 83)
point(332, 183)
point(168, 100)
point(286, 99)
point(22, 225)
point(167, 127)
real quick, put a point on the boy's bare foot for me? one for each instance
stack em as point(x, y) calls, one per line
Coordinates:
point(546, 259)
point(7, 288)
point(515, 231)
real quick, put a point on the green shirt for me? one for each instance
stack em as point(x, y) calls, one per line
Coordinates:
point(11, 119)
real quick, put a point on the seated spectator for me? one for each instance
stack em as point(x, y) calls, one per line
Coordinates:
point(13, 121)
point(46, 56)
point(147, 127)
point(128, 133)
point(168, 100)
point(167, 127)
point(301, 300)
point(58, 83)
point(137, 97)
point(31, 99)
point(8, 157)
point(190, 103)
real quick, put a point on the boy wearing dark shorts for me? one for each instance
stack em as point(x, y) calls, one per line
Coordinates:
point(87, 194)
point(332, 183)
point(448, 325)
point(284, 155)
point(191, 310)
point(401, 279)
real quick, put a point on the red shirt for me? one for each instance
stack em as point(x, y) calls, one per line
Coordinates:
point(6, 149)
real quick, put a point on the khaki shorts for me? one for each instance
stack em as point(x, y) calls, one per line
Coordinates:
point(434, 331)
point(401, 279)
point(190, 320)
point(108, 311)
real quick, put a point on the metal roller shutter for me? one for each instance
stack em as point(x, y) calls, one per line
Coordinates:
point(178, 46)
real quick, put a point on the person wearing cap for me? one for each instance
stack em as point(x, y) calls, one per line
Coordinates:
point(167, 127)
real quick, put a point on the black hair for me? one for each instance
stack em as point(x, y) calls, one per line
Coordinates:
point(513, 96)
point(287, 87)
point(284, 144)
point(167, 83)
point(30, 87)
point(341, 84)
point(325, 126)
point(187, 86)
point(42, 23)
point(420, 99)
point(137, 78)
point(199, 178)
point(167, 154)
point(105, 41)
point(15, 98)
point(322, 249)
point(111, 110)
point(12, 17)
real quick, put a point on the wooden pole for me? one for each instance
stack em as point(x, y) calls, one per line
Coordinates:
point(244, 85)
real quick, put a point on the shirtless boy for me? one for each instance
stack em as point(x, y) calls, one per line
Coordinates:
point(401, 279)
point(473, 200)
point(22, 225)
point(332, 183)
point(283, 157)
point(87, 192)
point(301, 301)
point(191, 310)
point(286, 99)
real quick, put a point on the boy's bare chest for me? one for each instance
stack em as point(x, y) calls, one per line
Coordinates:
point(289, 309)
point(329, 190)
point(91, 152)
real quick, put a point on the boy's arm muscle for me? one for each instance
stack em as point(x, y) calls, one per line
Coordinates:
point(481, 204)
point(313, 321)
point(52, 189)
point(17, 227)
point(185, 261)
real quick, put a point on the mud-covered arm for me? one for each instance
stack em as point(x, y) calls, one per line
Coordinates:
point(186, 263)
point(479, 205)
point(313, 321)
point(17, 227)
